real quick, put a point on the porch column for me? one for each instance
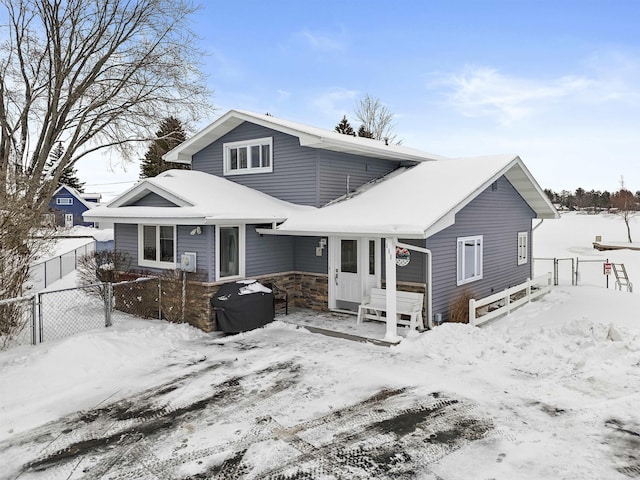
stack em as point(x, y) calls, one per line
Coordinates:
point(390, 273)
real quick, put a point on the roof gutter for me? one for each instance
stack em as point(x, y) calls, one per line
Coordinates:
point(343, 233)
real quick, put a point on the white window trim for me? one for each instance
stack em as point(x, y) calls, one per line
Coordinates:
point(246, 143)
point(67, 201)
point(241, 252)
point(523, 248)
point(155, 263)
point(478, 257)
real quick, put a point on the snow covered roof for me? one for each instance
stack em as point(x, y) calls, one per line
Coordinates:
point(194, 198)
point(420, 201)
point(309, 137)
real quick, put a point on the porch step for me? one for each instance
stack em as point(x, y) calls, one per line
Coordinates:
point(346, 336)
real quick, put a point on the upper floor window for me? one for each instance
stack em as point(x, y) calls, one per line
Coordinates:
point(469, 253)
point(523, 247)
point(248, 156)
point(157, 246)
point(64, 201)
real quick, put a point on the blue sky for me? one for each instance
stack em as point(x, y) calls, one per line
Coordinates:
point(557, 82)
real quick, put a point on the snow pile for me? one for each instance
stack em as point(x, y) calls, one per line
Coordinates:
point(253, 286)
point(56, 378)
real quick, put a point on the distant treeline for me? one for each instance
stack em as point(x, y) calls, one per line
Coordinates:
point(594, 199)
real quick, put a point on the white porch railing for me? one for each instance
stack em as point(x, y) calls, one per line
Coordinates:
point(502, 301)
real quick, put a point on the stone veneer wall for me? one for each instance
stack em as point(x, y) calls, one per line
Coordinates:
point(305, 290)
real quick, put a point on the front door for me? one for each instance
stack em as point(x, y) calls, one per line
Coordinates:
point(68, 220)
point(354, 270)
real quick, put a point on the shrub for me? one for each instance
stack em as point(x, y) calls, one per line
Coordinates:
point(102, 266)
point(459, 307)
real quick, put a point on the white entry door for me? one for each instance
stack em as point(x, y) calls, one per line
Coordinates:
point(354, 270)
point(68, 220)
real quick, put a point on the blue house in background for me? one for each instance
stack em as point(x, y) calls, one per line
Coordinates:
point(328, 216)
point(67, 206)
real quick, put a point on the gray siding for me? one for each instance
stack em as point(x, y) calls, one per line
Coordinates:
point(268, 253)
point(415, 271)
point(302, 175)
point(198, 244)
point(334, 168)
point(126, 240)
point(294, 167)
point(305, 255)
point(497, 215)
point(125, 237)
point(153, 200)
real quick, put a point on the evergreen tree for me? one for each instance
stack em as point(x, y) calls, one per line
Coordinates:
point(345, 127)
point(363, 132)
point(69, 175)
point(170, 135)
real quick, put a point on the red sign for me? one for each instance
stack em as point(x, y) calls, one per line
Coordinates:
point(607, 269)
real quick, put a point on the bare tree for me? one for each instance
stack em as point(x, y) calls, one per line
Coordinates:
point(376, 120)
point(626, 206)
point(91, 75)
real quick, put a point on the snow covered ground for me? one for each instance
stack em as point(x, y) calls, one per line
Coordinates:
point(549, 392)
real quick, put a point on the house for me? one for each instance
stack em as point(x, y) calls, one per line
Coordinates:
point(328, 216)
point(67, 206)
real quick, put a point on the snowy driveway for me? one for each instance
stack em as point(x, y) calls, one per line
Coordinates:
point(250, 410)
point(550, 392)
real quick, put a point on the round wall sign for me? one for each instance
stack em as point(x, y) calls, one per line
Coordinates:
point(403, 257)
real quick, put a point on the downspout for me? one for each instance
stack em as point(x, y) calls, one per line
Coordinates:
point(428, 277)
point(541, 220)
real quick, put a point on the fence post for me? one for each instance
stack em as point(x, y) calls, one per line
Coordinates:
point(472, 312)
point(528, 290)
point(40, 320)
point(34, 314)
point(108, 304)
point(508, 300)
point(159, 298)
point(555, 271)
point(575, 272)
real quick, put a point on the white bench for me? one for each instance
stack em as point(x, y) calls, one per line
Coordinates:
point(407, 303)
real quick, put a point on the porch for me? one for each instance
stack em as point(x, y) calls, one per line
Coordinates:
point(341, 325)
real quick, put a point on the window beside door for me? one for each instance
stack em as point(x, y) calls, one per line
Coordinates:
point(230, 251)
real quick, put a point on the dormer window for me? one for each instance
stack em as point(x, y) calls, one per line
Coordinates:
point(249, 156)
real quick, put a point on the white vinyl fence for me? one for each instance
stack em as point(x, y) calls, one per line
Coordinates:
point(501, 303)
point(45, 273)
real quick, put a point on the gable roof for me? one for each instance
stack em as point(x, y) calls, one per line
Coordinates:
point(420, 201)
point(309, 137)
point(75, 193)
point(198, 198)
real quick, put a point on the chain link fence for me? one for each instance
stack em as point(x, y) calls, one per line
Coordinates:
point(57, 314)
point(18, 321)
point(573, 271)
